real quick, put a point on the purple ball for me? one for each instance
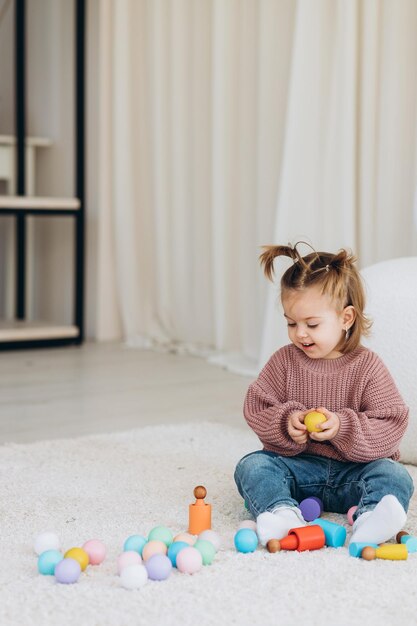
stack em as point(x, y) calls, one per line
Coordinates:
point(67, 571)
point(158, 566)
point(311, 508)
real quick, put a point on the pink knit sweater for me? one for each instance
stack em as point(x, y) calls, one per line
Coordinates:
point(356, 386)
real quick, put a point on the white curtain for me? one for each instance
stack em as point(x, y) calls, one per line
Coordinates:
point(217, 126)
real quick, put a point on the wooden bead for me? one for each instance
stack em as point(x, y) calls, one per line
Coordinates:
point(200, 492)
point(402, 533)
point(273, 545)
point(368, 553)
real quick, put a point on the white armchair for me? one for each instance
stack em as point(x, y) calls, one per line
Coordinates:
point(391, 288)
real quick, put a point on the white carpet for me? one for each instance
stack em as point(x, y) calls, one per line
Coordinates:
point(112, 486)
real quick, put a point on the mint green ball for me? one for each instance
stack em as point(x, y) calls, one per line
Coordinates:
point(206, 549)
point(161, 533)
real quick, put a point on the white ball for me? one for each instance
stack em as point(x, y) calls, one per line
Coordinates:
point(213, 537)
point(248, 523)
point(134, 576)
point(46, 541)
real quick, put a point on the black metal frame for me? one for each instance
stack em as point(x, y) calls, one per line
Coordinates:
point(21, 214)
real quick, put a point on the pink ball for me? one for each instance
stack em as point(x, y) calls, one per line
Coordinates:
point(96, 551)
point(153, 547)
point(189, 560)
point(130, 557)
point(187, 538)
point(350, 514)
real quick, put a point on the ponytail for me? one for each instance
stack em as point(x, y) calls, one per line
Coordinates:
point(335, 275)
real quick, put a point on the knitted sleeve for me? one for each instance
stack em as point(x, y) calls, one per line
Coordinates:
point(376, 430)
point(266, 409)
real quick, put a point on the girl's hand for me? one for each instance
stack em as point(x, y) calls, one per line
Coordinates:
point(329, 428)
point(297, 430)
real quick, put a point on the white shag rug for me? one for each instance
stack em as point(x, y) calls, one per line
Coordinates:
point(112, 486)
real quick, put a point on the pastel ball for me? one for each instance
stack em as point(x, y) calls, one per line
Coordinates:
point(158, 567)
point(350, 514)
point(312, 419)
point(46, 541)
point(79, 555)
point(246, 540)
point(161, 533)
point(187, 537)
point(189, 560)
point(67, 571)
point(135, 542)
point(47, 561)
point(96, 551)
point(248, 523)
point(311, 508)
point(125, 559)
point(155, 546)
point(134, 576)
point(213, 537)
point(173, 550)
point(206, 549)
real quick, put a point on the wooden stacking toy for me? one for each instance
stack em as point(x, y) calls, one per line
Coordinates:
point(335, 534)
point(408, 540)
point(199, 514)
point(300, 539)
point(356, 547)
point(389, 551)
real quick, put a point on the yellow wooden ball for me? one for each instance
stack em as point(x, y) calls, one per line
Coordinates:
point(312, 419)
point(78, 554)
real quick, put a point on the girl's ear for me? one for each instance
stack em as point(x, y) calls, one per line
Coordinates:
point(348, 316)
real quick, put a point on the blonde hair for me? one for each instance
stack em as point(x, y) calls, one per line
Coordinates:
point(335, 274)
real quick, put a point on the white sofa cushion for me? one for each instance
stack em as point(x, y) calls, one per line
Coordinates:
point(391, 288)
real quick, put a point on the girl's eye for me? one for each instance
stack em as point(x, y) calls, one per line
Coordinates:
point(290, 324)
point(312, 325)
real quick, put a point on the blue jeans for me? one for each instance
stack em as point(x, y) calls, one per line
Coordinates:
point(267, 480)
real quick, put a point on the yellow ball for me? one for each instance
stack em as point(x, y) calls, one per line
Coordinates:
point(79, 555)
point(312, 419)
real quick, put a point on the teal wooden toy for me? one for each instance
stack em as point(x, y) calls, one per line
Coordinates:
point(335, 534)
point(409, 540)
point(355, 549)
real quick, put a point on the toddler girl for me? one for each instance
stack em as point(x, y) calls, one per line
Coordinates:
point(352, 460)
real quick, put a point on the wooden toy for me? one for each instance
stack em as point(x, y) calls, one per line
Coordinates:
point(246, 540)
point(408, 540)
point(311, 508)
point(351, 513)
point(312, 419)
point(389, 551)
point(335, 534)
point(78, 554)
point(199, 512)
point(300, 539)
point(355, 548)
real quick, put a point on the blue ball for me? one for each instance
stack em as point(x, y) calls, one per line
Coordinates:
point(246, 540)
point(173, 550)
point(47, 562)
point(135, 543)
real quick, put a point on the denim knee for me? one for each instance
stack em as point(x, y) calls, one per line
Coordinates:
point(249, 464)
point(386, 476)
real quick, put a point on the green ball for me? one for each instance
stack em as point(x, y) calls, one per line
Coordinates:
point(206, 549)
point(161, 533)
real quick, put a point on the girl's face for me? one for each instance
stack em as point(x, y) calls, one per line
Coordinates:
point(315, 325)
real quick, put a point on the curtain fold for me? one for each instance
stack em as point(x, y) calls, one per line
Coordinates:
point(223, 126)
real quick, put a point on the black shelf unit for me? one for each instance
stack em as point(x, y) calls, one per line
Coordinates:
point(22, 334)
